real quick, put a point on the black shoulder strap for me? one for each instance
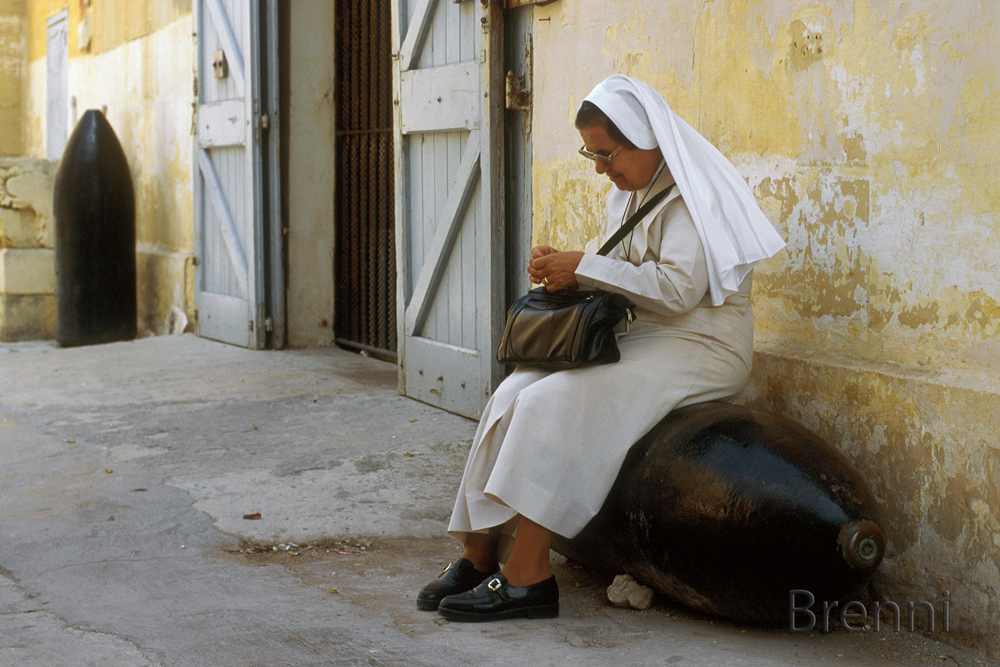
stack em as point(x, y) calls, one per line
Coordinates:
point(634, 220)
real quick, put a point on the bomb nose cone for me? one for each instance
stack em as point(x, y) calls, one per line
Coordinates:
point(862, 544)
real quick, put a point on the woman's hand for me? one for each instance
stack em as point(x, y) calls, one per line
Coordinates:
point(556, 270)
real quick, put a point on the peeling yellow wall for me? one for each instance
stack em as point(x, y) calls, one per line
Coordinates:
point(870, 132)
point(111, 22)
point(13, 66)
point(927, 444)
point(138, 65)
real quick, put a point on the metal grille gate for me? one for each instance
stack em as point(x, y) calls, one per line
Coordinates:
point(365, 263)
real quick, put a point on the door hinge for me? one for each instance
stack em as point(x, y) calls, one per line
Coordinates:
point(517, 96)
point(268, 324)
point(265, 122)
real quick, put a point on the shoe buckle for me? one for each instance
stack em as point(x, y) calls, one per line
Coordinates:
point(494, 584)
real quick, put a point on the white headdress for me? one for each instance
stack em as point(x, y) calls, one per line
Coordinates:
point(734, 231)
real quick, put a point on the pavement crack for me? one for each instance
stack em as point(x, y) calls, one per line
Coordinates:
point(104, 561)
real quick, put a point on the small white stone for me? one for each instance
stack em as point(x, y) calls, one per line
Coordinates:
point(625, 591)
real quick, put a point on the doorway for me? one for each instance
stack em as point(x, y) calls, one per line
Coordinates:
point(365, 246)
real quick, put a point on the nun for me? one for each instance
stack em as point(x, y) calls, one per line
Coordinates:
point(550, 444)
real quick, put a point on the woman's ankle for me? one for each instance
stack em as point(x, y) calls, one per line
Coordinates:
point(525, 576)
point(482, 553)
point(528, 562)
point(482, 563)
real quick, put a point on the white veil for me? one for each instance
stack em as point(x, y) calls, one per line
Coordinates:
point(734, 231)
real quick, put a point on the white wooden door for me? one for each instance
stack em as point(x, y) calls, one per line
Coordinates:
point(235, 168)
point(57, 98)
point(449, 199)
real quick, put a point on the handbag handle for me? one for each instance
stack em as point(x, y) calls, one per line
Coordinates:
point(634, 220)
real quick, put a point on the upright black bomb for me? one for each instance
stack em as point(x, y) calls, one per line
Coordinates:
point(727, 510)
point(95, 238)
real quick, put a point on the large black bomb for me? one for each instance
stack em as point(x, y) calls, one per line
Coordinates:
point(95, 238)
point(727, 510)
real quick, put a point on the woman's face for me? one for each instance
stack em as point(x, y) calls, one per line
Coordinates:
point(631, 169)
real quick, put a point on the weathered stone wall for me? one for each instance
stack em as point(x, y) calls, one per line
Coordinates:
point(869, 131)
point(27, 250)
point(134, 58)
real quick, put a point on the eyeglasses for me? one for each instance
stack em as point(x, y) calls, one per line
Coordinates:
point(597, 157)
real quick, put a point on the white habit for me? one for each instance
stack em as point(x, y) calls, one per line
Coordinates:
point(550, 445)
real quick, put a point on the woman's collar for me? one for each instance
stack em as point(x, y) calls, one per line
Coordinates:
point(660, 181)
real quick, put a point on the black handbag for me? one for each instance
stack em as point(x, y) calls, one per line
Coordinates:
point(567, 329)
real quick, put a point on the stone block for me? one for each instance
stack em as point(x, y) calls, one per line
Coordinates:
point(18, 228)
point(32, 185)
point(27, 271)
point(27, 317)
point(26, 203)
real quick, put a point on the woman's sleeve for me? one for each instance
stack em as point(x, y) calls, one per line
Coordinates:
point(672, 280)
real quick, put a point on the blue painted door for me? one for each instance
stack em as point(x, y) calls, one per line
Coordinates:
point(449, 199)
point(238, 293)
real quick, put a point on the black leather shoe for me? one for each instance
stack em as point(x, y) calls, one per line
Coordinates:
point(495, 599)
point(458, 577)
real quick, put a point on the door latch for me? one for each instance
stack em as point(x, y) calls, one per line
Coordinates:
point(220, 64)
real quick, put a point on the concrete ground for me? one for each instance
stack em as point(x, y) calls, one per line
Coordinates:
point(131, 476)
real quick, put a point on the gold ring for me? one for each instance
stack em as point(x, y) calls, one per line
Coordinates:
point(545, 280)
